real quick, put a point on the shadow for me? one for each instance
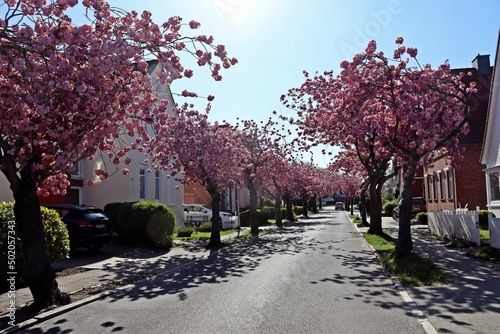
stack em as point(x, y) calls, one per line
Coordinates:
point(470, 291)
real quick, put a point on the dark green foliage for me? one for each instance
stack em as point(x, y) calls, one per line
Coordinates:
point(388, 207)
point(142, 223)
point(56, 239)
point(205, 227)
point(269, 212)
point(184, 231)
point(483, 219)
point(421, 218)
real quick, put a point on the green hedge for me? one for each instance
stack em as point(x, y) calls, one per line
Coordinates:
point(388, 207)
point(56, 239)
point(483, 219)
point(184, 231)
point(422, 218)
point(142, 223)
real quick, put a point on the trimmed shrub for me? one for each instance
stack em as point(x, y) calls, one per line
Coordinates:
point(421, 218)
point(56, 239)
point(483, 219)
point(205, 227)
point(184, 231)
point(142, 223)
point(388, 208)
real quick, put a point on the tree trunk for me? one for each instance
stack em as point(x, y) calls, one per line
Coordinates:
point(254, 222)
point(40, 275)
point(404, 245)
point(289, 208)
point(375, 209)
point(215, 241)
point(352, 206)
point(362, 208)
point(321, 203)
point(305, 206)
point(277, 208)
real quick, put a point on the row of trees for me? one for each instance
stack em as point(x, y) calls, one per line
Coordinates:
point(384, 113)
point(72, 92)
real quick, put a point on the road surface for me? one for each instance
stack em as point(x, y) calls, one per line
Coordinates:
point(310, 278)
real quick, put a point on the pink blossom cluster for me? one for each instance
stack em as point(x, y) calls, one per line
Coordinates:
point(71, 91)
point(383, 108)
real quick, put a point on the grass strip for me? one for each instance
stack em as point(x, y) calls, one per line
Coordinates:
point(411, 269)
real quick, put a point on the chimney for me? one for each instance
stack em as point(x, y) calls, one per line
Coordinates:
point(482, 64)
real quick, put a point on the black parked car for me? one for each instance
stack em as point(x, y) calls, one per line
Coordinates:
point(418, 205)
point(87, 226)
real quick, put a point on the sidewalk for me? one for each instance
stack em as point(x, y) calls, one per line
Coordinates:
point(470, 303)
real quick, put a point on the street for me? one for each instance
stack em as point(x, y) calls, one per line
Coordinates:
point(315, 277)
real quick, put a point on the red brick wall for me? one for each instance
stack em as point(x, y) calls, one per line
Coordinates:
point(470, 179)
point(196, 194)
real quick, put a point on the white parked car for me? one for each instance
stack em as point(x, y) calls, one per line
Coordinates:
point(197, 213)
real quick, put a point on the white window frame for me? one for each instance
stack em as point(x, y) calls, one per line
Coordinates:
point(450, 183)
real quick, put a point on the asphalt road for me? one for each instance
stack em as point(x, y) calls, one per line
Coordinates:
point(315, 277)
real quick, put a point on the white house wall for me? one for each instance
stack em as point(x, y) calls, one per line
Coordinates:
point(491, 146)
point(5, 192)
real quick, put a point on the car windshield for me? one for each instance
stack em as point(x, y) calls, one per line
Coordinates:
point(94, 213)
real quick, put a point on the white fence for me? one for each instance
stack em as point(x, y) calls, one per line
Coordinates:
point(494, 231)
point(459, 224)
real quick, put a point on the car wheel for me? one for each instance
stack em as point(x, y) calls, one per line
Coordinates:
point(94, 247)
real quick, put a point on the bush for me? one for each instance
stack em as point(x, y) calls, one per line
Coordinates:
point(483, 219)
point(56, 238)
point(142, 223)
point(184, 231)
point(421, 218)
point(205, 227)
point(388, 208)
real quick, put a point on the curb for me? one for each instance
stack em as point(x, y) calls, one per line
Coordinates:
point(414, 309)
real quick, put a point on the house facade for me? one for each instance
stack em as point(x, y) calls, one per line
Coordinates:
point(449, 188)
point(233, 198)
point(490, 156)
point(143, 183)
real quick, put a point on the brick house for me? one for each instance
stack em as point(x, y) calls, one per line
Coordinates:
point(448, 188)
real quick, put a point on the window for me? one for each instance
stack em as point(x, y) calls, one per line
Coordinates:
point(77, 172)
point(442, 191)
point(157, 186)
point(171, 190)
point(495, 186)
point(434, 187)
point(429, 188)
point(142, 183)
point(451, 185)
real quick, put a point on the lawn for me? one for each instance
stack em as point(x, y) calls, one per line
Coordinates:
point(204, 235)
point(412, 269)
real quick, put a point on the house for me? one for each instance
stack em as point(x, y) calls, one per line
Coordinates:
point(448, 188)
point(490, 155)
point(197, 194)
point(141, 184)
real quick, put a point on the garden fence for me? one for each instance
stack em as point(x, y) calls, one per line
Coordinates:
point(458, 224)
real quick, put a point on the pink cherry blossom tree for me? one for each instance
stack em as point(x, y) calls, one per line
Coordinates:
point(69, 91)
point(388, 111)
point(262, 141)
point(207, 153)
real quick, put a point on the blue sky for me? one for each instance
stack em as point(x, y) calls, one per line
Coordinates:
point(275, 40)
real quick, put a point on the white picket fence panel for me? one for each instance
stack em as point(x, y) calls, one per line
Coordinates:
point(494, 231)
point(459, 224)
